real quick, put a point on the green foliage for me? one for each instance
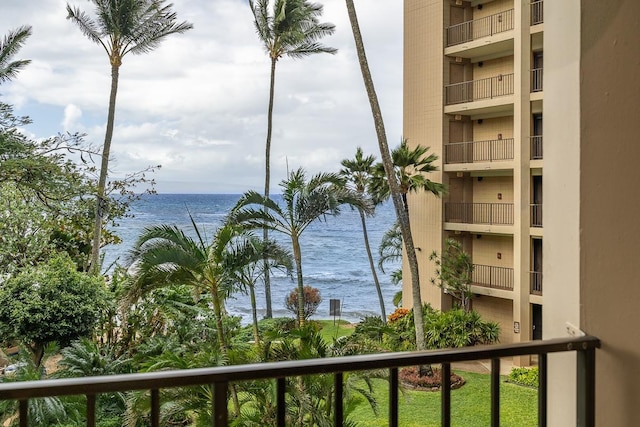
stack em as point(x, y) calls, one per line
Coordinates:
point(457, 328)
point(50, 303)
point(454, 270)
point(524, 376)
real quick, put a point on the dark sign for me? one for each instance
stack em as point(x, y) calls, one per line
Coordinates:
point(334, 307)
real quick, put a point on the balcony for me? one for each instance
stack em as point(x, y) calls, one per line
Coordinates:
point(479, 213)
point(537, 12)
point(536, 80)
point(476, 90)
point(536, 215)
point(479, 151)
point(219, 379)
point(536, 282)
point(536, 147)
point(492, 277)
point(479, 28)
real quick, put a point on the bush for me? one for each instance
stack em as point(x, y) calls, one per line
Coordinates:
point(524, 376)
point(312, 300)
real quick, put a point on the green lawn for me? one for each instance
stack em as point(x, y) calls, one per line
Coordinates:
point(470, 405)
point(330, 331)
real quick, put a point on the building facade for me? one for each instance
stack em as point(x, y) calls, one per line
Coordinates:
point(473, 92)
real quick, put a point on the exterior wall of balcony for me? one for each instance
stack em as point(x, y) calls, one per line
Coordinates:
point(489, 129)
point(498, 310)
point(492, 8)
point(493, 68)
point(486, 249)
point(487, 189)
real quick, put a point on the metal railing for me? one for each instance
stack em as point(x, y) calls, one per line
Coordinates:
point(537, 12)
point(479, 213)
point(475, 90)
point(536, 282)
point(536, 80)
point(478, 28)
point(479, 151)
point(220, 378)
point(536, 215)
point(536, 147)
point(492, 276)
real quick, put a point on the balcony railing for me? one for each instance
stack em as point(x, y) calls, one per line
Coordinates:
point(475, 90)
point(536, 80)
point(536, 282)
point(536, 215)
point(219, 379)
point(537, 12)
point(536, 147)
point(479, 213)
point(492, 276)
point(479, 151)
point(478, 28)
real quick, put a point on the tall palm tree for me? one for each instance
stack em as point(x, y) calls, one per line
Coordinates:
point(394, 187)
point(9, 46)
point(290, 28)
point(121, 27)
point(358, 173)
point(305, 201)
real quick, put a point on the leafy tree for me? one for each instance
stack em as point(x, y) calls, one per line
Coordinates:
point(9, 46)
point(390, 250)
point(312, 300)
point(290, 28)
point(305, 201)
point(50, 303)
point(387, 162)
point(358, 173)
point(121, 27)
point(454, 270)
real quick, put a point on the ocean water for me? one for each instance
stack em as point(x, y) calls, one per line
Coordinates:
point(334, 259)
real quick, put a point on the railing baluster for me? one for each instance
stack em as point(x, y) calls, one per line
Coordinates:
point(24, 413)
point(393, 397)
point(220, 409)
point(155, 408)
point(91, 410)
point(338, 409)
point(281, 384)
point(445, 380)
point(586, 384)
point(495, 392)
point(542, 390)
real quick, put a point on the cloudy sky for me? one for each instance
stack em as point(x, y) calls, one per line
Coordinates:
point(197, 104)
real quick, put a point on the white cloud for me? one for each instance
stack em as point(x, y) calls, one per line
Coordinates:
point(197, 104)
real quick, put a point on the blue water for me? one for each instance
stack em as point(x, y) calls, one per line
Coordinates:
point(334, 259)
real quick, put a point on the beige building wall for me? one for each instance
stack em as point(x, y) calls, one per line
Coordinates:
point(492, 8)
point(498, 310)
point(493, 189)
point(493, 68)
point(592, 100)
point(489, 129)
point(487, 248)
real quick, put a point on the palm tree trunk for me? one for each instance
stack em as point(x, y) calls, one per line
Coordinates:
point(267, 183)
point(372, 265)
point(297, 256)
point(254, 313)
point(394, 187)
point(104, 167)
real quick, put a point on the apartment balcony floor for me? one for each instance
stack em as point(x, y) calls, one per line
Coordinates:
point(484, 48)
point(483, 108)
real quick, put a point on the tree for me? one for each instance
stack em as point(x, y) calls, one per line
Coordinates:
point(312, 300)
point(305, 201)
point(394, 187)
point(358, 173)
point(50, 303)
point(9, 46)
point(121, 27)
point(453, 272)
point(390, 250)
point(290, 29)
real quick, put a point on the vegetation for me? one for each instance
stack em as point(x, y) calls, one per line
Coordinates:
point(524, 376)
point(121, 27)
point(311, 298)
point(291, 28)
point(9, 46)
point(454, 270)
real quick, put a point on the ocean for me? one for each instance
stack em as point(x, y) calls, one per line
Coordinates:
point(334, 258)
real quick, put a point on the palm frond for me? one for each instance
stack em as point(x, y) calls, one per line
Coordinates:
point(9, 46)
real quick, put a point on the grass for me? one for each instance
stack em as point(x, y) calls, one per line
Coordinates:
point(470, 405)
point(330, 331)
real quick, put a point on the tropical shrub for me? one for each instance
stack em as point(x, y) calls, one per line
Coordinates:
point(524, 376)
point(312, 300)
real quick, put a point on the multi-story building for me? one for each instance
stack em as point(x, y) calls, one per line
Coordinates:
point(474, 93)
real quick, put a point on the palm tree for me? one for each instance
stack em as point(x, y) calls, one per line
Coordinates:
point(121, 27)
point(394, 187)
point(290, 29)
point(9, 46)
point(304, 203)
point(358, 173)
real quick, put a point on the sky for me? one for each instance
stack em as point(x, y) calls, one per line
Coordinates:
point(197, 104)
